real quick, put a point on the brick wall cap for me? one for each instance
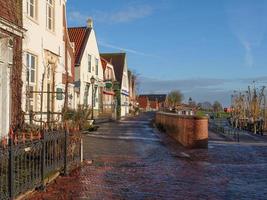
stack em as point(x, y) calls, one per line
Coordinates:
point(184, 116)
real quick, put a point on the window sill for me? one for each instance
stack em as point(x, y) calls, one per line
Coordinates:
point(51, 31)
point(33, 20)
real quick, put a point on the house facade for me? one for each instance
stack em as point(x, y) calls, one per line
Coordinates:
point(132, 91)
point(11, 34)
point(43, 56)
point(69, 75)
point(87, 66)
point(119, 62)
point(108, 93)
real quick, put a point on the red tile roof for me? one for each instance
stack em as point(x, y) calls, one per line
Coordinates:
point(79, 35)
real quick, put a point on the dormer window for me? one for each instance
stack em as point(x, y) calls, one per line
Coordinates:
point(50, 15)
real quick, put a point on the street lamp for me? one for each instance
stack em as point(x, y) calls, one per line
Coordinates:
point(92, 83)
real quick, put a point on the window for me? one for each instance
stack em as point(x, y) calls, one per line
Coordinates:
point(89, 63)
point(10, 51)
point(1, 51)
point(29, 102)
point(69, 64)
point(31, 67)
point(50, 16)
point(31, 8)
point(86, 94)
point(96, 66)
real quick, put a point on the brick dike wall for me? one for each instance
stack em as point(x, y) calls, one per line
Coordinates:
point(190, 131)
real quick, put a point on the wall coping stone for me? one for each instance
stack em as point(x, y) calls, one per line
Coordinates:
point(184, 116)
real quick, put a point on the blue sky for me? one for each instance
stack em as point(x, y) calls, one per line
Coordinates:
point(205, 48)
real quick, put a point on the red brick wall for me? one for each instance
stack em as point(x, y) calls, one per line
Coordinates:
point(190, 131)
point(17, 117)
point(11, 10)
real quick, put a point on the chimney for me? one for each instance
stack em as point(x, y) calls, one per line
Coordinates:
point(90, 23)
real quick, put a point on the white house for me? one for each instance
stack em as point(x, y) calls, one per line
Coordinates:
point(87, 66)
point(119, 62)
point(44, 54)
point(108, 93)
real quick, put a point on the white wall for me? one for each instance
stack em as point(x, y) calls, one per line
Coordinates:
point(38, 39)
point(4, 88)
point(85, 75)
point(125, 89)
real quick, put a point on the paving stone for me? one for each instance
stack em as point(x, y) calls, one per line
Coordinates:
point(162, 169)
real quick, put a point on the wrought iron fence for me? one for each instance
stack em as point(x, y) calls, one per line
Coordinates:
point(26, 164)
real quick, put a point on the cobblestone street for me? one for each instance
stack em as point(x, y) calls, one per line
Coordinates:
point(133, 161)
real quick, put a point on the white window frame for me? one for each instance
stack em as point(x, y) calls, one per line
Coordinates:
point(33, 4)
point(30, 69)
point(69, 64)
point(10, 47)
point(1, 56)
point(96, 66)
point(89, 63)
point(50, 6)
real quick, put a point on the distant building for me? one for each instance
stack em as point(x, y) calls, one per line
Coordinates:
point(132, 91)
point(152, 102)
point(185, 109)
point(143, 102)
point(108, 93)
point(119, 62)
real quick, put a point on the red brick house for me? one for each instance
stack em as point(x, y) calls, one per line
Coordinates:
point(154, 105)
point(143, 103)
point(11, 34)
point(152, 102)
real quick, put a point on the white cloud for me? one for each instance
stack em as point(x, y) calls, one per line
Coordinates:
point(76, 16)
point(111, 46)
point(248, 55)
point(127, 14)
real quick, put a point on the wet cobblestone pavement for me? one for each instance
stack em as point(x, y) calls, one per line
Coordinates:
point(132, 161)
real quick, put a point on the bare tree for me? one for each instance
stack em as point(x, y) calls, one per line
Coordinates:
point(217, 106)
point(174, 98)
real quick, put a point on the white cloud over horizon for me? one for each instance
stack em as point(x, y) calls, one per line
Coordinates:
point(200, 89)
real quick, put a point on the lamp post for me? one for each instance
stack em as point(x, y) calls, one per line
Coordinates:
point(92, 83)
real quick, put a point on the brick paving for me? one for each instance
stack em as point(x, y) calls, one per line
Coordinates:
point(132, 161)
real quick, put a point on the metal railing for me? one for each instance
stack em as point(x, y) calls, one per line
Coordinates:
point(229, 132)
point(26, 165)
